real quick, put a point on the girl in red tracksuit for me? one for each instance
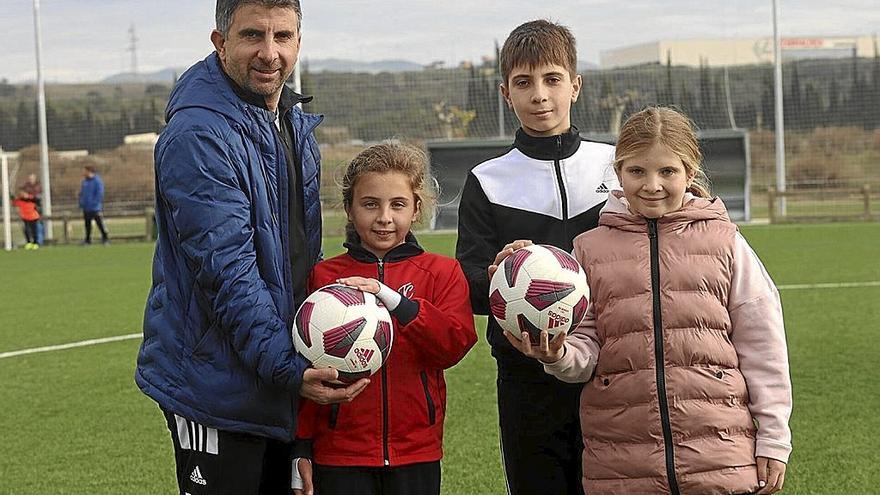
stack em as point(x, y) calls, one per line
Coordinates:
point(388, 440)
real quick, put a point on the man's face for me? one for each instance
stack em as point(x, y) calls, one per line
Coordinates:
point(541, 97)
point(261, 49)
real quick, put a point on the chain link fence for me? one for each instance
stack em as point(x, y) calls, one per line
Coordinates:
point(832, 124)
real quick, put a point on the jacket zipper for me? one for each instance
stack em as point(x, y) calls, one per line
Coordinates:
point(557, 164)
point(381, 268)
point(659, 357)
point(432, 415)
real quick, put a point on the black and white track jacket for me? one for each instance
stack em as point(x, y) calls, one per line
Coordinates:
point(547, 190)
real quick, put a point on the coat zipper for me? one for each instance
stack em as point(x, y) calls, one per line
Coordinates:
point(557, 164)
point(659, 359)
point(381, 267)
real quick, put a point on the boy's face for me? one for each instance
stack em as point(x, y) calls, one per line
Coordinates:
point(541, 97)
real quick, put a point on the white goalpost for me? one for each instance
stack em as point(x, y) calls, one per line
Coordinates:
point(7, 216)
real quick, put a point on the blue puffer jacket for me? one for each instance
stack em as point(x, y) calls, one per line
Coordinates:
point(217, 349)
point(91, 194)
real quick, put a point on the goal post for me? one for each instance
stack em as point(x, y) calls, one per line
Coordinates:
point(7, 214)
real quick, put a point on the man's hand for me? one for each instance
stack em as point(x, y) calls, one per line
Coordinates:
point(546, 350)
point(771, 475)
point(505, 252)
point(314, 387)
point(370, 285)
point(305, 472)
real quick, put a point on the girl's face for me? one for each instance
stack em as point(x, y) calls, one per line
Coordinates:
point(382, 210)
point(654, 181)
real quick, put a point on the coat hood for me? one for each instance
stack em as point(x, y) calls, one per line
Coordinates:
point(616, 213)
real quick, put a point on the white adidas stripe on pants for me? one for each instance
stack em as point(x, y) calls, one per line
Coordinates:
point(193, 436)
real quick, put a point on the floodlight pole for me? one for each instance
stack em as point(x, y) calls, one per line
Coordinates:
point(780, 125)
point(41, 113)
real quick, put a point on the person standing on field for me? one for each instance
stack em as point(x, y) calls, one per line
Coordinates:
point(91, 200)
point(33, 187)
point(238, 216)
point(547, 189)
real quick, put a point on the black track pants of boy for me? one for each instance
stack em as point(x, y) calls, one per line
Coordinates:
point(414, 479)
point(541, 439)
point(217, 462)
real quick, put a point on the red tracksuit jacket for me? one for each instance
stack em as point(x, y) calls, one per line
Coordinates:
point(398, 418)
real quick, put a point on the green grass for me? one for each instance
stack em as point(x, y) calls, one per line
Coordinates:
point(74, 422)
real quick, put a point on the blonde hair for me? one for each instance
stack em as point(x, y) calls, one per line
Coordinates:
point(392, 157)
point(673, 130)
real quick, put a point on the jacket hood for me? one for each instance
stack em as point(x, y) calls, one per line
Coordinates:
point(616, 213)
point(205, 85)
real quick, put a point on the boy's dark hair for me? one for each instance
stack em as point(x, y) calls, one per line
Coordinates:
point(226, 9)
point(536, 43)
point(91, 169)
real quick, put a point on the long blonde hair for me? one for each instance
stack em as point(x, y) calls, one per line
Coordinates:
point(673, 130)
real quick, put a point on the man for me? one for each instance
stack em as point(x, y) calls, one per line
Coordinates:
point(91, 200)
point(239, 223)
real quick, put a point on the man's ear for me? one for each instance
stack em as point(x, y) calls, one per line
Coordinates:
point(219, 42)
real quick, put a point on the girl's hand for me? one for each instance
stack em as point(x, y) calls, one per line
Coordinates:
point(370, 285)
point(546, 350)
point(771, 475)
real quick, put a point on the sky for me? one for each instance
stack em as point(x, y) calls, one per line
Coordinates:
point(87, 40)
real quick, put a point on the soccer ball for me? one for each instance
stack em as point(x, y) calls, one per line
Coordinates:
point(537, 288)
point(345, 328)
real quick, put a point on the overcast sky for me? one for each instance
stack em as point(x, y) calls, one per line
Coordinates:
point(86, 40)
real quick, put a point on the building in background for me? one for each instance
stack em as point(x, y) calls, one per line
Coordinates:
point(735, 51)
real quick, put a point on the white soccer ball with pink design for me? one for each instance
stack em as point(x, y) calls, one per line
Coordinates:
point(539, 288)
point(345, 328)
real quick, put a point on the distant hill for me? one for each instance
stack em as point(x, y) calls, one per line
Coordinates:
point(344, 65)
point(166, 76)
point(169, 75)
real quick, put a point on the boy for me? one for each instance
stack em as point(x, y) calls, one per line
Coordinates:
point(548, 189)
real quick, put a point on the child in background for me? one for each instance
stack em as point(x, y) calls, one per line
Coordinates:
point(547, 189)
point(684, 344)
point(27, 211)
point(389, 440)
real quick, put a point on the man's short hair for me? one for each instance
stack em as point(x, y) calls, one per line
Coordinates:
point(537, 43)
point(226, 9)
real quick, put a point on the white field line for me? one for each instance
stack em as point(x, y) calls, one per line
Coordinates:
point(71, 345)
point(84, 343)
point(841, 285)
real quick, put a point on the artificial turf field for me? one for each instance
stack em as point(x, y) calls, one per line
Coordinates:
point(72, 420)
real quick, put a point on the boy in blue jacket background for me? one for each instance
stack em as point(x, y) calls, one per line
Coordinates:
point(91, 201)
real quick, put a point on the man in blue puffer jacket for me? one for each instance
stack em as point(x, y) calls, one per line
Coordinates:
point(238, 214)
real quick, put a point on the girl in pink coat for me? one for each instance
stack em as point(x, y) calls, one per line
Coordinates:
point(683, 347)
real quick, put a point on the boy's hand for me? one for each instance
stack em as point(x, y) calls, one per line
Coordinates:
point(771, 475)
point(315, 388)
point(546, 350)
point(370, 285)
point(305, 472)
point(505, 252)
